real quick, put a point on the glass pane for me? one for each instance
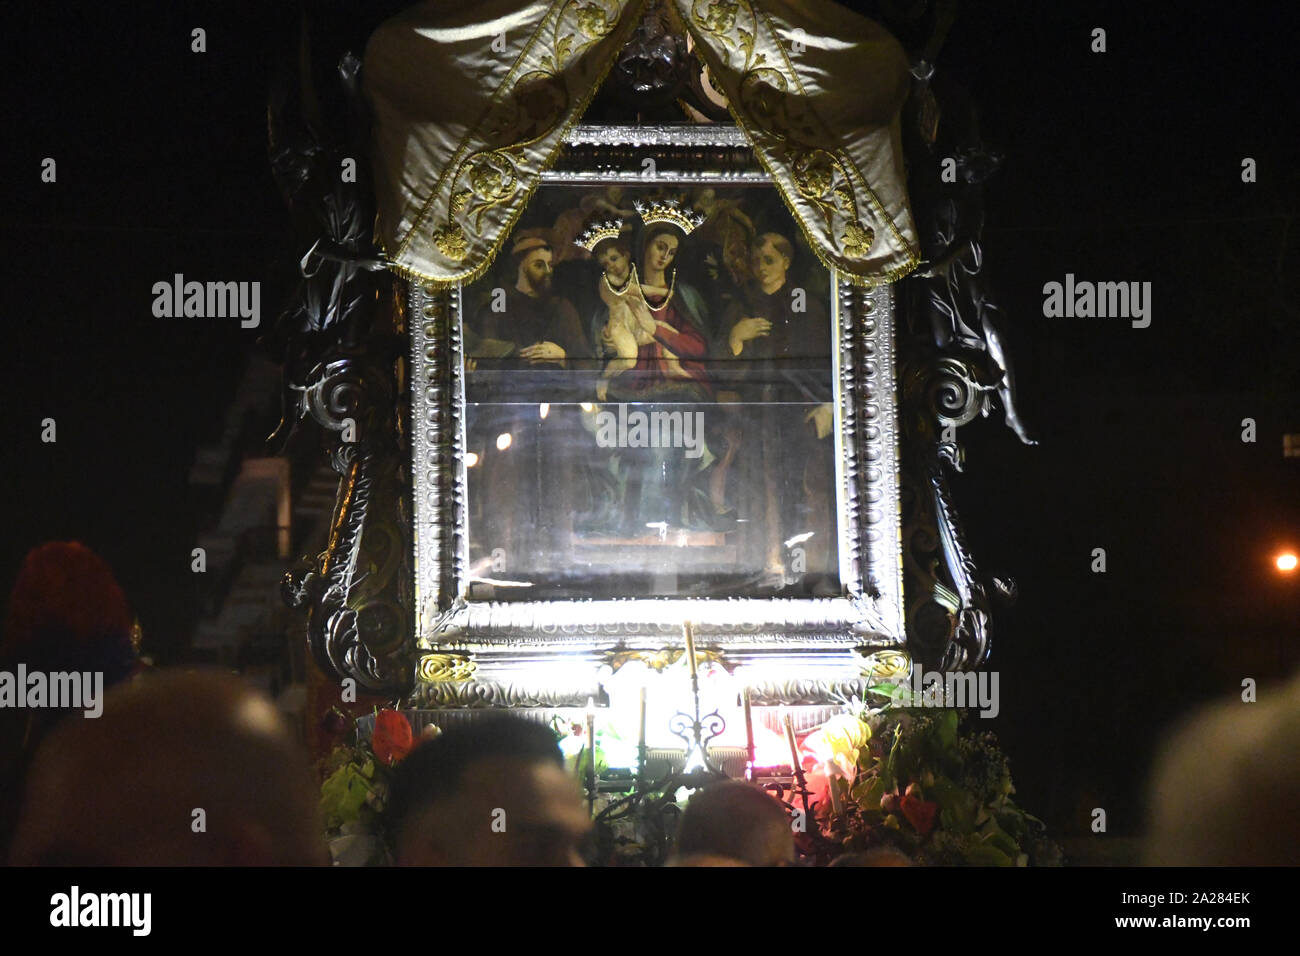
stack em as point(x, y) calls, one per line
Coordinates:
point(650, 401)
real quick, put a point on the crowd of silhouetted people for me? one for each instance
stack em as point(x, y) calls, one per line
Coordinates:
point(185, 767)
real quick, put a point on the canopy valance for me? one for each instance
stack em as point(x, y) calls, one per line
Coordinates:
point(472, 102)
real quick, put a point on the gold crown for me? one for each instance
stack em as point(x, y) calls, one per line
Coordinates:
point(598, 232)
point(670, 211)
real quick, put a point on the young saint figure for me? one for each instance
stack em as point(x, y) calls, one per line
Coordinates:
point(781, 336)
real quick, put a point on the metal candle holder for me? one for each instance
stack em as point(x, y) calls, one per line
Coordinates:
point(696, 732)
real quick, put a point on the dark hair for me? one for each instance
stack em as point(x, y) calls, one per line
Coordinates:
point(517, 258)
point(876, 856)
point(731, 819)
point(779, 242)
point(433, 770)
point(620, 242)
point(659, 228)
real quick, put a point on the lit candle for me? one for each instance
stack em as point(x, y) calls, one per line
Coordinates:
point(749, 724)
point(591, 738)
point(640, 736)
point(690, 645)
point(789, 736)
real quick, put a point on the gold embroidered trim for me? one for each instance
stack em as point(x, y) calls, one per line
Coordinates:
point(496, 177)
point(807, 165)
point(852, 167)
point(455, 162)
point(621, 20)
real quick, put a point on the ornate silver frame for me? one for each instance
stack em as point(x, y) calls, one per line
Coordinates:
point(553, 653)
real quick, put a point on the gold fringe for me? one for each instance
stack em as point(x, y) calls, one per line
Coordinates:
point(618, 36)
point(837, 271)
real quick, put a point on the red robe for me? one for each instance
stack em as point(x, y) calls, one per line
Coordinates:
point(674, 360)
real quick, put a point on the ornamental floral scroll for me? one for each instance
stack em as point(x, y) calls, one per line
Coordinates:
point(471, 110)
point(869, 238)
point(485, 186)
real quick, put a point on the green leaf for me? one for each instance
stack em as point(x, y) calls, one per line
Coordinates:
point(1012, 821)
point(946, 728)
point(867, 794)
point(957, 808)
point(343, 794)
point(993, 835)
point(892, 762)
point(890, 691)
point(584, 761)
point(981, 854)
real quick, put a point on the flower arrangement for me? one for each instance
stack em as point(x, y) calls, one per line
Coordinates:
point(904, 777)
point(571, 736)
point(355, 788)
point(908, 778)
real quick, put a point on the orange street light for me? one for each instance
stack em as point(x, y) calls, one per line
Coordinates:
point(1286, 562)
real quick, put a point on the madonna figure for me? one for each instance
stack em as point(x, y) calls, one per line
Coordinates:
point(667, 322)
point(671, 314)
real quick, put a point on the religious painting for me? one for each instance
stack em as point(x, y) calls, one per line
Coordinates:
point(650, 401)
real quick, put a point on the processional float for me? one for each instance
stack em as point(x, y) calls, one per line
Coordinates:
point(639, 334)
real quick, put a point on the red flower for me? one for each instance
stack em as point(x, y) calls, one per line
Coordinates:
point(393, 738)
point(920, 813)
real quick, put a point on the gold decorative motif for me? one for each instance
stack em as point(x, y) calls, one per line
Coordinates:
point(540, 101)
point(769, 101)
point(857, 240)
point(492, 176)
point(720, 16)
point(669, 211)
point(813, 173)
point(666, 657)
point(532, 106)
point(440, 668)
point(885, 665)
point(598, 232)
point(451, 242)
point(844, 201)
point(594, 21)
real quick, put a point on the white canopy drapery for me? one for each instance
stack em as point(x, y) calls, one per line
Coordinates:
point(472, 102)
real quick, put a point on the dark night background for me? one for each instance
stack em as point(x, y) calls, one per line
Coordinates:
point(1120, 166)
